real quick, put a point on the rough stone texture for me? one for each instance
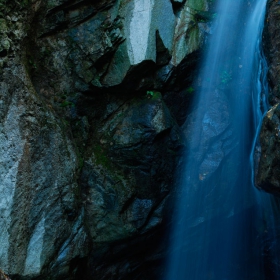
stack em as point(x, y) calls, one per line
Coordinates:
point(38, 163)
point(134, 155)
point(190, 29)
point(120, 46)
point(268, 177)
point(4, 276)
point(272, 47)
point(88, 144)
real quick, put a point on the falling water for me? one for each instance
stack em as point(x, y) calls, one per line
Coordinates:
point(221, 217)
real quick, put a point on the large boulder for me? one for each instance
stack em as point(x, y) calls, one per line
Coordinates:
point(267, 155)
point(128, 169)
point(268, 176)
point(272, 46)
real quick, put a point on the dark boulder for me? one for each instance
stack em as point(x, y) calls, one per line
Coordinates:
point(268, 175)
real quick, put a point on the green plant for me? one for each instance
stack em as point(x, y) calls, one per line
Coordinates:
point(101, 157)
point(80, 161)
point(32, 63)
point(204, 16)
point(153, 94)
point(190, 90)
point(67, 104)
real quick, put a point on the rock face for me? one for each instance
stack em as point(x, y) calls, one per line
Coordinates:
point(92, 99)
point(3, 276)
point(267, 177)
point(272, 45)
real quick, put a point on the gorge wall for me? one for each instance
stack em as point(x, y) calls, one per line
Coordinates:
point(93, 98)
point(93, 94)
point(268, 174)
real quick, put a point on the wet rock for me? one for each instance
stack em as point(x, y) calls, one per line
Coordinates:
point(267, 155)
point(74, 248)
point(122, 42)
point(38, 180)
point(177, 1)
point(39, 198)
point(272, 44)
point(88, 146)
point(61, 15)
point(268, 175)
point(189, 31)
point(3, 276)
point(215, 123)
point(126, 175)
point(101, 47)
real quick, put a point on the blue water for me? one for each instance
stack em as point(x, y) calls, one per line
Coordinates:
point(224, 227)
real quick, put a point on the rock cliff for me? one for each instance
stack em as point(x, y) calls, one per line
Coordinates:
point(268, 173)
point(93, 94)
point(268, 177)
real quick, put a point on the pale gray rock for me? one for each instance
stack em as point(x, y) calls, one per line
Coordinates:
point(38, 163)
point(142, 19)
point(189, 33)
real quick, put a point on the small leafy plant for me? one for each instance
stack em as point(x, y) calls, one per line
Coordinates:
point(150, 93)
point(67, 104)
point(190, 90)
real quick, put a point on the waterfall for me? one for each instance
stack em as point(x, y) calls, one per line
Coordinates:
point(220, 217)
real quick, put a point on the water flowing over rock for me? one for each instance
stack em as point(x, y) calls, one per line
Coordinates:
point(94, 116)
point(219, 218)
point(267, 177)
